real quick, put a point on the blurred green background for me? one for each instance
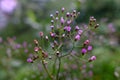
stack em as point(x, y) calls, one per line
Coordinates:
point(21, 21)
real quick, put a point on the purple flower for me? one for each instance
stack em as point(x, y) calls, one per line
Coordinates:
point(36, 49)
point(77, 28)
point(80, 32)
point(52, 27)
point(52, 34)
point(77, 37)
point(86, 42)
point(67, 28)
point(92, 58)
point(62, 20)
point(63, 9)
point(84, 51)
point(8, 5)
point(29, 60)
point(89, 48)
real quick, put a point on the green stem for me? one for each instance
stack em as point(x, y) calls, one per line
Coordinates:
point(51, 77)
point(58, 71)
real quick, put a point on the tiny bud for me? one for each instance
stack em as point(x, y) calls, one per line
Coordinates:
point(63, 35)
point(94, 20)
point(63, 9)
point(92, 58)
point(57, 52)
point(87, 42)
point(80, 32)
point(50, 57)
point(67, 14)
point(77, 37)
point(36, 42)
point(51, 15)
point(52, 45)
point(44, 54)
point(29, 60)
point(74, 11)
point(67, 28)
point(56, 18)
point(89, 48)
point(62, 20)
point(41, 34)
point(52, 34)
point(83, 51)
point(52, 27)
point(92, 17)
point(36, 49)
point(57, 12)
point(97, 25)
point(69, 22)
point(52, 21)
point(77, 28)
point(46, 37)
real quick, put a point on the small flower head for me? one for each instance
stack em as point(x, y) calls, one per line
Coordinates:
point(80, 32)
point(52, 27)
point(52, 34)
point(51, 15)
point(83, 51)
point(77, 37)
point(67, 28)
point(36, 42)
point(87, 42)
point(89, 48)
point(57, 12)
point(97, 25)
point(29, 60)
point(36, 49)
point(67, 14)
point(92, 58)
point(63, 9)
point(77, 28)
point(41, 34)
point(62, 20)
point(46, 37)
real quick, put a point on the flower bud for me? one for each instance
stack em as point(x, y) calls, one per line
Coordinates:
point(87, 42)
point(77, 37)
point(77, 28)
point(36, 49)
point(63, 9)
point(46, 37)
point(97, 25)
point(92, 58)
point(41, 34)
point(36, 42)
point(83, 51)
point(29, 60)
point(89, 48)
point(67, 14)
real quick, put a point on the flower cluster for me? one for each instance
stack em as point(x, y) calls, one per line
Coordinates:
point(64, 38)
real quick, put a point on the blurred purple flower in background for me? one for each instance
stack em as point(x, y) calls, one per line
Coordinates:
point(8, 6)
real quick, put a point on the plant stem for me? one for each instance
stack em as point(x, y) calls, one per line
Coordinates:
point(58, 71)
point(51, 77)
